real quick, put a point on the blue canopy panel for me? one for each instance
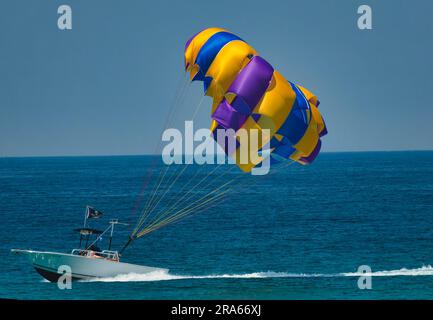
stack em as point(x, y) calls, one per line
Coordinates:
point(297, 121)
point(208, 52)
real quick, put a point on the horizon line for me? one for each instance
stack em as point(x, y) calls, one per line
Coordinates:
point(158, 154)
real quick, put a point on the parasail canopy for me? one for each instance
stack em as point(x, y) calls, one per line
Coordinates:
point(248, 93)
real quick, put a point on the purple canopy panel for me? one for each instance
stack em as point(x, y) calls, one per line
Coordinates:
point(228, 117)
point(325, 129)
point(251, 83)
point(249, 86)
point(313, 154)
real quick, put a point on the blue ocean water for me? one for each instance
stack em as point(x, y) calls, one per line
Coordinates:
point(300, 233)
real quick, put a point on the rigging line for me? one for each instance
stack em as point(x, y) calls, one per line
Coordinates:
point(174, 218)
point(197, 108)
point(154, 199)
point(236, 182)
point(286, 165)
point(147, 211)
point(195, 208)
point(178, 100)
point(209, 206)
point(193, 117)
point(191, 179)
point(148, 207)
point(191, 208)
point(276, 169)
point(215, 183)
point(222, 176)
point(199, 205)
point(279, 168)
point(179, 204)
point(181, 87)
point(229, 171)
point(185, 212)
point(172, 112)
point(160, 222)
point(151, 200)
point(190, 190)
point(169, 188)
point(144, 212)
point(167, 212)
point(183, 93)
point(196, 204)
point(150, 229)
point(177, 217)
point(180, 217)
point(180, 171)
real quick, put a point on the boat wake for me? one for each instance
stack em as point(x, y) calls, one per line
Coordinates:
point(423, 271)
point(165, 276)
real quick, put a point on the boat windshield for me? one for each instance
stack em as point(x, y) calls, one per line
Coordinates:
point(105, 254)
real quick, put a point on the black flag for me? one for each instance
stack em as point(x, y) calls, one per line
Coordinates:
point(93, 213)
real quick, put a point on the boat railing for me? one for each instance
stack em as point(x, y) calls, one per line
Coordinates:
point(104, 254)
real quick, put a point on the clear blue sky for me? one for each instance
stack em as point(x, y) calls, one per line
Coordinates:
point(105, 87)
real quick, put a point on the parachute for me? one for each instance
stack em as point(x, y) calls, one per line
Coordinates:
point(248, 93)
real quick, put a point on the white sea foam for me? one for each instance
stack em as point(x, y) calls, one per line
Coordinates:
point(423, 271)
point(165, 276)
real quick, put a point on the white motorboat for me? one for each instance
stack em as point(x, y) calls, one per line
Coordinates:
point(84, 263)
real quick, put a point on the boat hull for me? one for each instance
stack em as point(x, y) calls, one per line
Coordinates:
point(47, 264)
